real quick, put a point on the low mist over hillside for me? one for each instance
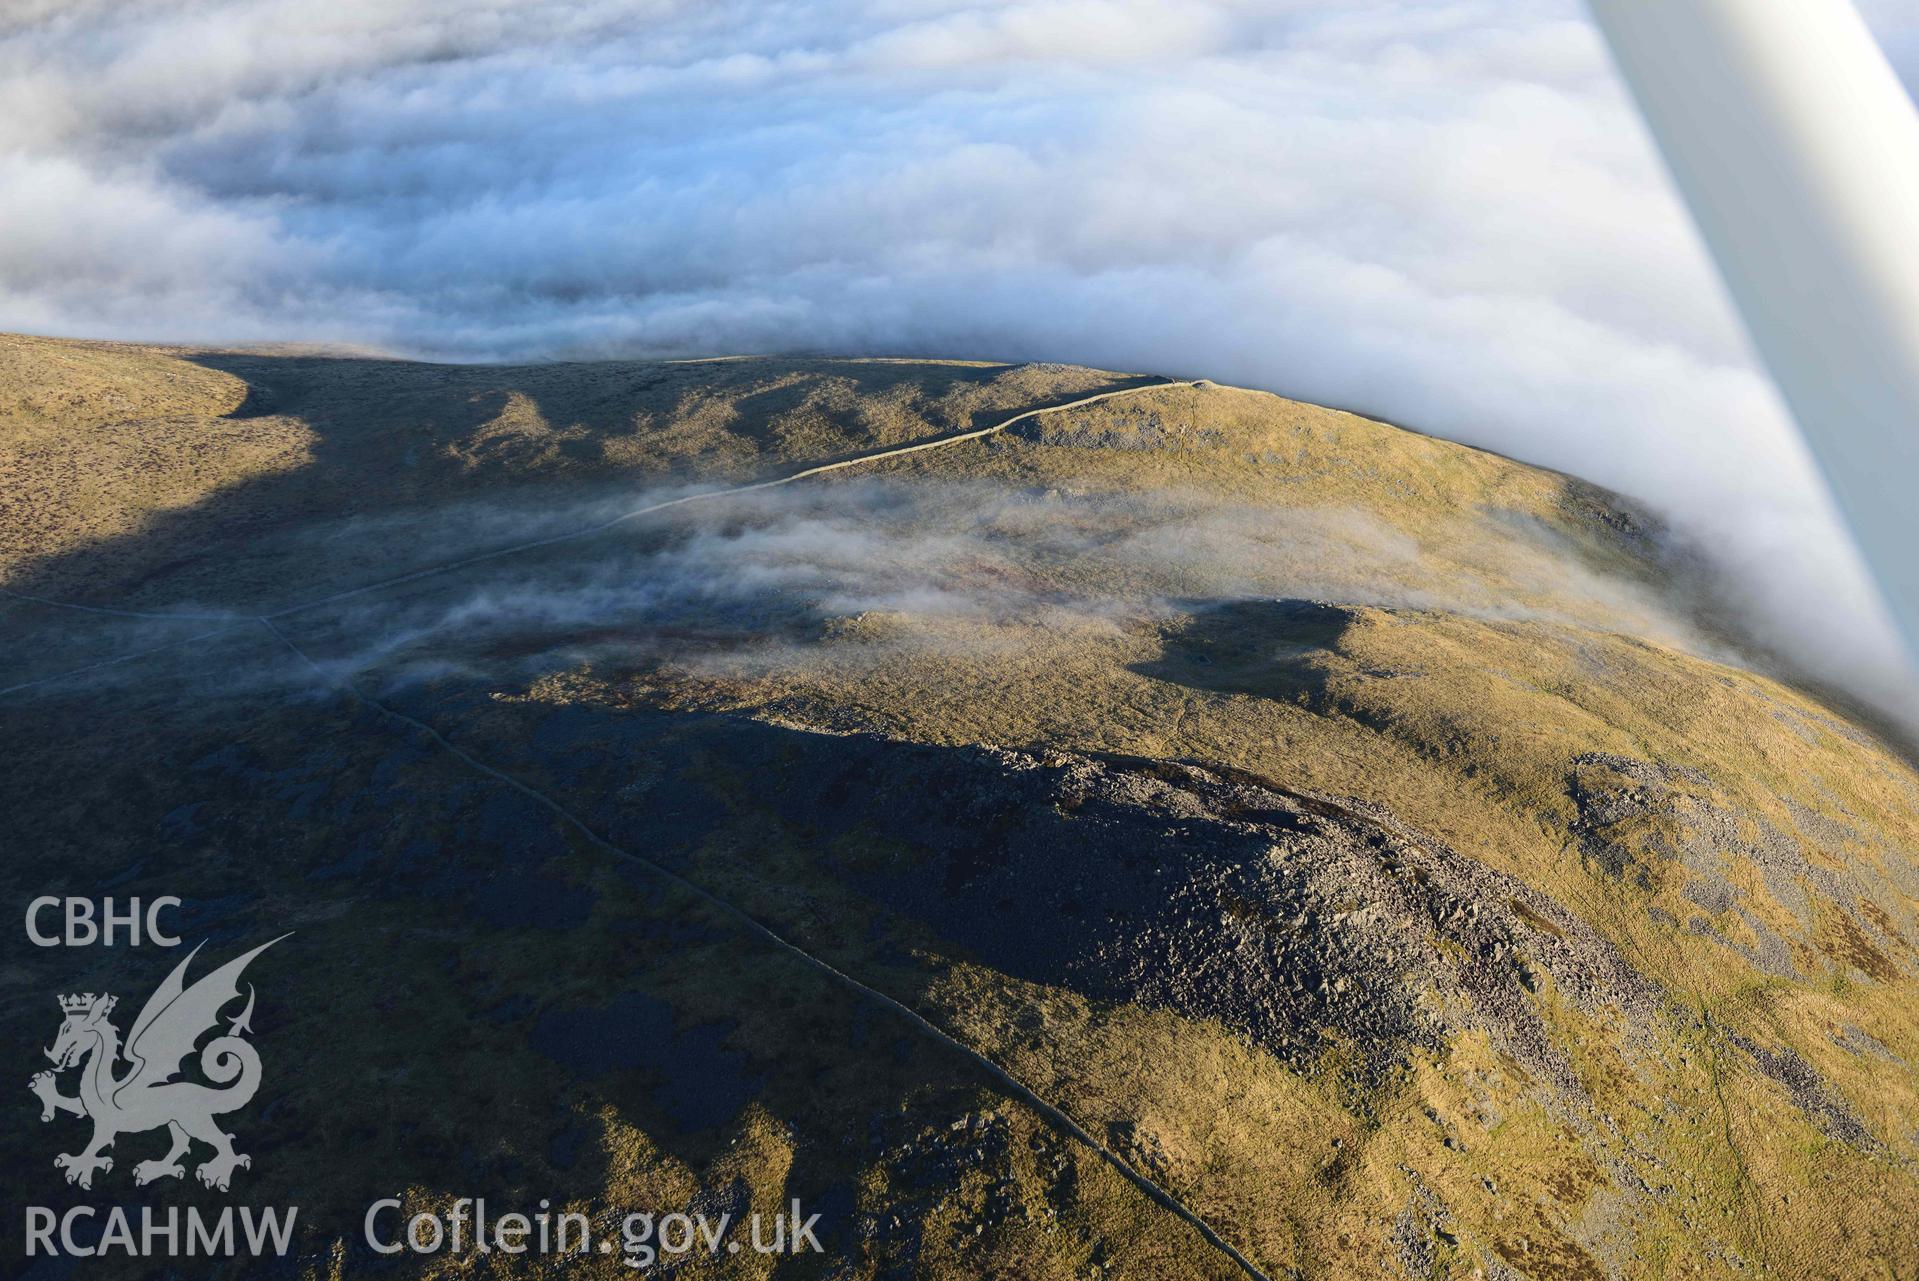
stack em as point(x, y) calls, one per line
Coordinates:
point(1446, 214)
point(1155, 830)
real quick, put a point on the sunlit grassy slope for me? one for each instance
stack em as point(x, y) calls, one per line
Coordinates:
point(1367, 838)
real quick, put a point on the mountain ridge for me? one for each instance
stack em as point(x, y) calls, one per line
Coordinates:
point(1099, 740)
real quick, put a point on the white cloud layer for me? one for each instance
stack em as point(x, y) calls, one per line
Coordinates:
point(1442, 212)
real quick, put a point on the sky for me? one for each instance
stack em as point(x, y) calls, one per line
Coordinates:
point(1440, 212)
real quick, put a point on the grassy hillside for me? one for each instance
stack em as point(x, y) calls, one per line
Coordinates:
point(1364, 839)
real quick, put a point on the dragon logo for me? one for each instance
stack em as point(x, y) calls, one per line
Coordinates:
point(146, 1096)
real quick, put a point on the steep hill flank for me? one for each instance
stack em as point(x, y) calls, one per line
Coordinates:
point(1356, 835)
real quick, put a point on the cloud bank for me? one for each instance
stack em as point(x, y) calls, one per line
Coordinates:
point(1441, 212)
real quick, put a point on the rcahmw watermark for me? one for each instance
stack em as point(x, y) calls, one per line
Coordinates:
point(643, 1239)
point(159, 1231)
